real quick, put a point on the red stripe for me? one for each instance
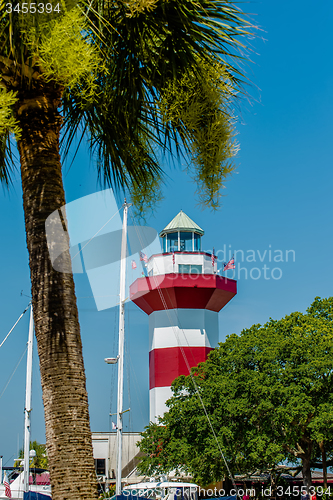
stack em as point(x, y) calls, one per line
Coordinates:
point(182, 291)
point(167, 364)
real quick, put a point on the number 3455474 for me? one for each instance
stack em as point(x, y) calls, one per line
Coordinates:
point(32, 8)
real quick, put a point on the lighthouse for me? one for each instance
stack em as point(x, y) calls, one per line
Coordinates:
point(182, 294)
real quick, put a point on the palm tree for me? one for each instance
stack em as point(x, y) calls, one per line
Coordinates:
point(133, 78)
point(40, 460)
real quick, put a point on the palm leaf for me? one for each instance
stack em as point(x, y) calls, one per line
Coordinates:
point(144, 52)
point(7, 160)
point(146, 47)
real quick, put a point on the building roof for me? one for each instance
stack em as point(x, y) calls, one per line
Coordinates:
point(181, 222)
point(315, 475)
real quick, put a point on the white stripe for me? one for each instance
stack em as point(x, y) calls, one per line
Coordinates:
point(183, 327)
point(157, 399)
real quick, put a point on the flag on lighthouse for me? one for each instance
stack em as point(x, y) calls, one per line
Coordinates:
point(114, 427)
point(213, 257)
point(8, 492)
point(133, 264)
point(143, 257)
point(230, 265)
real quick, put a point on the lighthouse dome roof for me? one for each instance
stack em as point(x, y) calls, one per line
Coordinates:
point(181, 222)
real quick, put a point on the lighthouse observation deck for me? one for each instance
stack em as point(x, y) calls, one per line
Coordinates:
point(182, 262)
point(182, 276)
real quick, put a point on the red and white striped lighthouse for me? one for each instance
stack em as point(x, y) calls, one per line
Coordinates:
point(182, 295)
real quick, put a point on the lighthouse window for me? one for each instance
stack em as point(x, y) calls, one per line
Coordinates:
point(189, 269)
point(184, 268)
point(172, 242)
point(185, 242)
point(197, 242)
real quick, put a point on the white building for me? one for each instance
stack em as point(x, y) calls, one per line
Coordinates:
point(105, 454)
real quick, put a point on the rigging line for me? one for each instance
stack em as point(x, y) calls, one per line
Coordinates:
point(189, 370)
point(137, 231)
point(16, 367)
point(10, 331)
point(107, 222)
point(8, 460)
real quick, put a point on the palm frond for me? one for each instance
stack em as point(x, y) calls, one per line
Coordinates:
point(8, 128)
point(7, 160)
point(16, 56)
point(149, 46)
point(119, 63)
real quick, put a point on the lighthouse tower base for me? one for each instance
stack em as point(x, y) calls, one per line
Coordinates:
point(178, 340)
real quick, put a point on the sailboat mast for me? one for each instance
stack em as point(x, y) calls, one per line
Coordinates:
point(27, 408)
point(121, 348)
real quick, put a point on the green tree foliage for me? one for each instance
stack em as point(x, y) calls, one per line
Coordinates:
point(39, 461)
point(269, 396)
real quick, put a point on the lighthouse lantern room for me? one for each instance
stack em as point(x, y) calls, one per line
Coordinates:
point(182, 295)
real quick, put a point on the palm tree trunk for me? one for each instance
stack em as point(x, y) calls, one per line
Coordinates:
point(68, 435)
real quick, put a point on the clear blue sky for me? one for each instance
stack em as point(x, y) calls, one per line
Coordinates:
point(279, 199)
